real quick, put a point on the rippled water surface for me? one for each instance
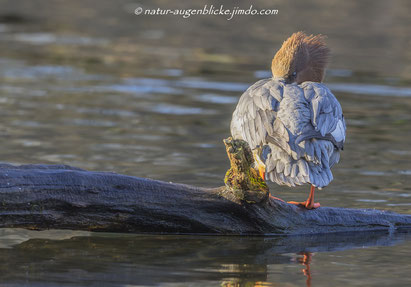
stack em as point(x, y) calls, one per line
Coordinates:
point(88, 84)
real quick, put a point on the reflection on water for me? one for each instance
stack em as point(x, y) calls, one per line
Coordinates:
point(94, 86)
point(70, 258)
point(306, 261)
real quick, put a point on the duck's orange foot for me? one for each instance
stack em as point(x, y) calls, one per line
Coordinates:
point(306, 204)
point(276, 198)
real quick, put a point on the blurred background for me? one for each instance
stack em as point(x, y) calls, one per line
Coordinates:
point(91, 84)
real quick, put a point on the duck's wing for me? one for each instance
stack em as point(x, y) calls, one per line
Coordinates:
point(300, 129)
point(254, 116)
point(313, 119)
point(326, 116)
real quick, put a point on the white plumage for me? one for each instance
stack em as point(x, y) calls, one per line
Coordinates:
point(298, 130)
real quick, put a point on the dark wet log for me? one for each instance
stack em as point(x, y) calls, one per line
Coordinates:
point(63, 197)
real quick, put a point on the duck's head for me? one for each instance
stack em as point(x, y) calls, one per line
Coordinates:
point(301, 58)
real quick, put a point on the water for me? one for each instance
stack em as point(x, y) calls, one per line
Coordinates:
point(93, 86)
point(52, 258)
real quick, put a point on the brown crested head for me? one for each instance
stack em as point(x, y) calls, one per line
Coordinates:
point(301, 58)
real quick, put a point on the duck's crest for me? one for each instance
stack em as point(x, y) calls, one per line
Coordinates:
point(307, 56)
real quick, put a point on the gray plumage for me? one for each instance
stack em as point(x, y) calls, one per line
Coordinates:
point(298, 130)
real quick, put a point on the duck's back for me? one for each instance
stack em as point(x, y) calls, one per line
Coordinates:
point(300, 130)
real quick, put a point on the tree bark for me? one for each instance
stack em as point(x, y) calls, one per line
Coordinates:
point(63, 197)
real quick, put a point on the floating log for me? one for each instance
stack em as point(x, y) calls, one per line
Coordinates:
point(63, 197)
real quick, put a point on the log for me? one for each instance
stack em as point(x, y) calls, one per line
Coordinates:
point(63, 197)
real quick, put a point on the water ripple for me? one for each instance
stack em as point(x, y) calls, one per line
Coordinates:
point(49, 38)
point(89, 122)
point(368, 89)
point(137, 89)
point(212, 85)
point(216, 99)
point(180, 110)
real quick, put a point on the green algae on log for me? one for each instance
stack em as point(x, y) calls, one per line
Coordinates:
point(242, 179)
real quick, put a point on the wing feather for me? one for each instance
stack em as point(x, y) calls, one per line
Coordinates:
point(301, 127)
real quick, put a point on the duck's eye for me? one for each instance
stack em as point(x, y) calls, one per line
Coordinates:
point(294, 74)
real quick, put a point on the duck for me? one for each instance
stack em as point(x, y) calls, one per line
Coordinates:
point(292, 122)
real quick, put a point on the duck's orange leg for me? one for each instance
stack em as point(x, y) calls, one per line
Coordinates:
point(261, 172)
point(309, 203)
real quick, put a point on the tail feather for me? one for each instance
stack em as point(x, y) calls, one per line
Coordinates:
point(283, 169)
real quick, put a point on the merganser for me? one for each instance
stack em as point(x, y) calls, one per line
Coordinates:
point(292, 122)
